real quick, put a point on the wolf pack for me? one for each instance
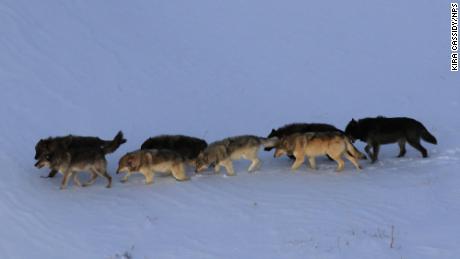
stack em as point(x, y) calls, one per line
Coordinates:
point(173, 154)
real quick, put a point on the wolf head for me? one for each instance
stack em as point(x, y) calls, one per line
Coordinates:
point(285, 146)
point(47, 150)
point(202, 162)
point(53, 159)
point(130, 162)
point(43, 160)
point(353, 130)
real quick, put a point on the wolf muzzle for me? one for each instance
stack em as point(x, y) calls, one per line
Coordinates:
point(38, 164)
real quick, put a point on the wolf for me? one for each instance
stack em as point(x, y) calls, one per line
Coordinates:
point(72, 161)
point(383, 130)
point(186, 146)
point(221, 153)
point(45, 147)
point(150, 161)
point(292, 128)
point(333, 144)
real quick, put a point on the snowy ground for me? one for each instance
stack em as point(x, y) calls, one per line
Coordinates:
point(214, 69)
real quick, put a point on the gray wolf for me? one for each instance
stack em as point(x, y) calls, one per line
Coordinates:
point(383, 130)
point(221, 153)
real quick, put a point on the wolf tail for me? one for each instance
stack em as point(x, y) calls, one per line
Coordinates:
point(111, 146)
point(428, 137)
point(352, 150)
point(269, 143)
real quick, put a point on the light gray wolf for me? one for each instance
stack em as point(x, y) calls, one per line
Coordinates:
point(221, 153)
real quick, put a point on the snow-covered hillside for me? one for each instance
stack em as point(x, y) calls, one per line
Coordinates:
point(214, 69)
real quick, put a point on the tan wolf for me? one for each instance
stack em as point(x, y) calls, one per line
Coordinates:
point(333, 144)
point(221, 153)
point(150, 161)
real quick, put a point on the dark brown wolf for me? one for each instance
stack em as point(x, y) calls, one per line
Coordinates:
point(45, 147)
point(382, 130)
point(72, 161)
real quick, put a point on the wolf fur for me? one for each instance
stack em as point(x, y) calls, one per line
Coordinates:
point(150, 161)
point(292, 128)
point(69, 162)
point(383, 130)
point(45, 147)
point(221, 153)
point(186, 146)
point(333, 144)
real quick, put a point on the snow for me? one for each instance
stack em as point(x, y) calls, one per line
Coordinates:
point(214, 69)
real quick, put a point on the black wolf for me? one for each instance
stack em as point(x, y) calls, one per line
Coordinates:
point(382, 130)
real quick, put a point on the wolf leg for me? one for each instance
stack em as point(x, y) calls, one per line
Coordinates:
point(216, 168)
point(375, 155)
point(340, 163)
point(298, 162)
point(228, 165)
point(255, 164)
point(312, 162)
point(92, 180)
point(178, 171)
point(76, 180)
point(255, 161)
point(367, 148)
point(125, 178)
point(402, 147)
point(416, 144)
point(108, 177)
point(51, 174)
point(148, 177)
point(65, 180)
point(353, 160)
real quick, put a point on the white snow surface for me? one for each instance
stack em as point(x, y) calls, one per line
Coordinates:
point(214, 69)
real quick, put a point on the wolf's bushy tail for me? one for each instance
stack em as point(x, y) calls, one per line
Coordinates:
point(352, 150)
point(428, 137)
point(111, 146)
point(269, 143)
